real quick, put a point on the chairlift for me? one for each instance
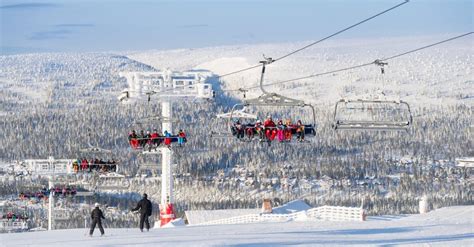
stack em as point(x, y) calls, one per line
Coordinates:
point(93, 164)
point(466, 162)
point(64, 190)
point(375, 115)
point(11, 220)
point(113, 181)
point(372, 114)
point(238, 114)
point(82, 189)
point(34, 196)
point(269, 99)
point(153, 139)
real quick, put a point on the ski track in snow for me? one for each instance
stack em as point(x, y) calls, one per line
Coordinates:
point(452, 226)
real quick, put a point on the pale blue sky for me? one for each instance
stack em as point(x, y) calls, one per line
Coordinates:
point(106, 25)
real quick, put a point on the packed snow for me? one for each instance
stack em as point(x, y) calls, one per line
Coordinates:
point(451, 226)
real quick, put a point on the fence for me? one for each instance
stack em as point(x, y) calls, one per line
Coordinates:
point(331, 213)
point(328, 213)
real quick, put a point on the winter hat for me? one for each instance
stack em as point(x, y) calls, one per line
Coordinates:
point(145, 195)
point(97, 204)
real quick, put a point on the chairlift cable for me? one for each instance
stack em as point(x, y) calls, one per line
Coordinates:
point(377, 61)
point(319, 41)
point(343, 30)
point(238, 71)
point(428, 46)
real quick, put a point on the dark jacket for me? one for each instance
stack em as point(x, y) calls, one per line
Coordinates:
point(97, 214)
point(145, 207)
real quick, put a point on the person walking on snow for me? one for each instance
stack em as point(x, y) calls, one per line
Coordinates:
point(145, 207)
point(97, 217)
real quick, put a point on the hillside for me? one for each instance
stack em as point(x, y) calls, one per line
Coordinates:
point(441, 75)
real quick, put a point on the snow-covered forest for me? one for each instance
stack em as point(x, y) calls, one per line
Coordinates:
point(54, 104)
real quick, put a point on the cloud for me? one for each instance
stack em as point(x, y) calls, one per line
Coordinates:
point(60, 31)
point(56, 34)
point(193, 26)
point(29, 6)
point(75, 25)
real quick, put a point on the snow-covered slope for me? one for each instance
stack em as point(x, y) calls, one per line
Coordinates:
point(439, 75)
point(451, 226)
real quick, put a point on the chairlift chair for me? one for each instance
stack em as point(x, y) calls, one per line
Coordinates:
point(467, 162)
point(372, 114)
point(150, 145)
point(113, 181)
point(13, 222)
point(269, 99)
point(375, 115)
point(237, 114)
point(95, 151)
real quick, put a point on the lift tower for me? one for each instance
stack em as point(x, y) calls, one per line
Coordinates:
point(166, 87)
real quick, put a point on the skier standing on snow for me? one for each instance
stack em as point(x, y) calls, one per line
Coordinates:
point(97, 217)
point(145, 207)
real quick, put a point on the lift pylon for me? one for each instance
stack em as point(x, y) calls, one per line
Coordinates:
point(166, 87)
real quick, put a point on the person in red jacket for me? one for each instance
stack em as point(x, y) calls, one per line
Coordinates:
point(133, 139)
point(181, 138)
point(84, 164)
point(155, 138)
point(270, 128)
point(167, 138)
